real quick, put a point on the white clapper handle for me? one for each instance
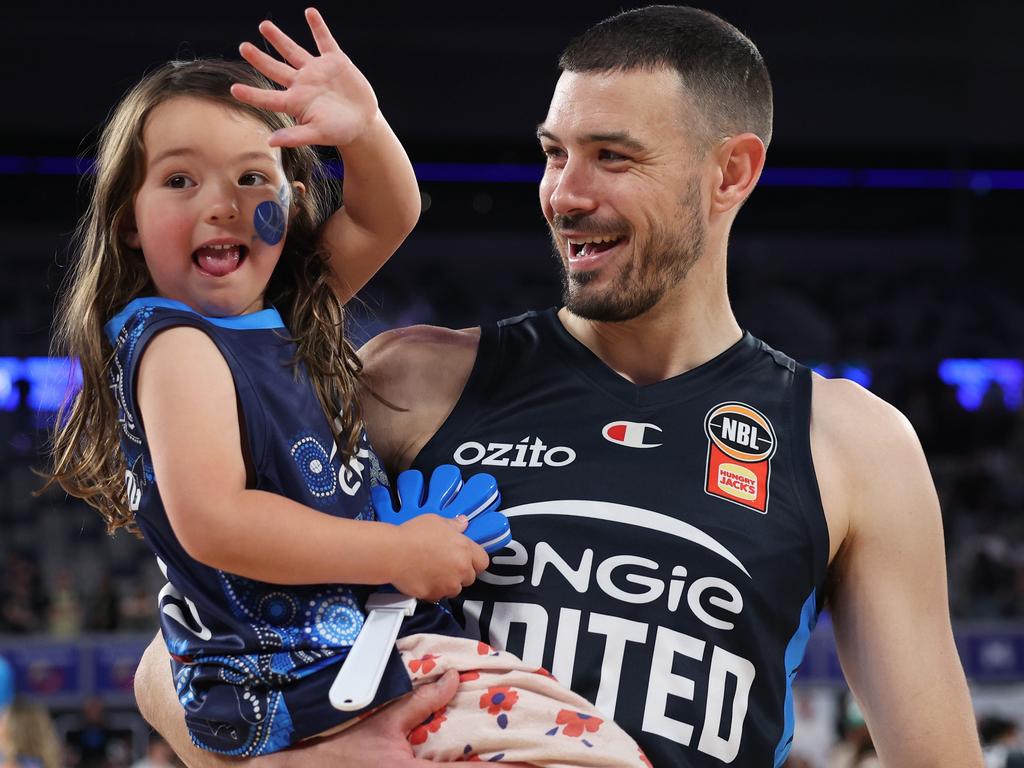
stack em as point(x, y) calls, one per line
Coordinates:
point(359, 677)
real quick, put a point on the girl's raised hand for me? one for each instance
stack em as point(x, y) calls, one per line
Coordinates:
point(331, 101)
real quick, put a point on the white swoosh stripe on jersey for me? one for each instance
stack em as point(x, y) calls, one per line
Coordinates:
point(622, 513)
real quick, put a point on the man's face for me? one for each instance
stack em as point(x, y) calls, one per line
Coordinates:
point(621, 190)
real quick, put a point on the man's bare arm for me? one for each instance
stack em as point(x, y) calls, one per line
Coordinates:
point(889, 598)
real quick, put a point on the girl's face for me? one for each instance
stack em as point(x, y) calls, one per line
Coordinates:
point(207, 169)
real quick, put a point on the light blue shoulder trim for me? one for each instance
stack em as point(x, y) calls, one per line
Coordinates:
point(264, 319)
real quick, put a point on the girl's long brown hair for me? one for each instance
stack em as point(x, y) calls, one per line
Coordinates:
point(105, 274)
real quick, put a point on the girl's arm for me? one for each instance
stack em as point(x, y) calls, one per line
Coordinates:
point(334, 105)
point(186, 398)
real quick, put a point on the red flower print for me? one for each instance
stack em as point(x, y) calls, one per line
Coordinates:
point(432, 724)
point(498, 698)
point(577, 722)
point(465, 677)
point(424, 664)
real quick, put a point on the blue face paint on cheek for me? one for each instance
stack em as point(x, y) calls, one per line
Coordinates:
point(269, 221)
point(270, 218)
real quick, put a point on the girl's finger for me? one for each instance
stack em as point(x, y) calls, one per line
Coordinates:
point(276, 70)
point(290, 51)
point(325, 41)
point(294, 136)
point(260, 97)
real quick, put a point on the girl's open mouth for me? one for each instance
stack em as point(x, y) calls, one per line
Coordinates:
point(219, 260)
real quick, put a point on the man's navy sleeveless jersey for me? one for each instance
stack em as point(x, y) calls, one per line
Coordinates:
point(669, 541)
point(253, 662)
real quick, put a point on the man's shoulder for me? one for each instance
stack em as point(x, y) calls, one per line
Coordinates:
point(856, 421)
point(418, 341)
point(413, 376)
point(867, 459)
point(417, 349)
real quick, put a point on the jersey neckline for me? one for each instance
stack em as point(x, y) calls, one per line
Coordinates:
point(268, 318)
point(708, 375)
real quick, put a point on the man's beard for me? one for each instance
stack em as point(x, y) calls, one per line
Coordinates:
point(657, 265)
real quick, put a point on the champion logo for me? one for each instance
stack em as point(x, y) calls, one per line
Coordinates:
point(631, 434)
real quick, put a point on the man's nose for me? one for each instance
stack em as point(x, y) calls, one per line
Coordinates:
point(573, 191)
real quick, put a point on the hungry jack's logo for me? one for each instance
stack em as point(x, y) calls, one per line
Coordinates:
point(741, 443)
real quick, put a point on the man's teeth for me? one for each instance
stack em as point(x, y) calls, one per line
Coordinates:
point(584, 241)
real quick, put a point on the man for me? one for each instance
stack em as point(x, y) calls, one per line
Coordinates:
point(674, 541)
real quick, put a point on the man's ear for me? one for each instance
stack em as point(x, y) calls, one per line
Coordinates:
point(740, 161)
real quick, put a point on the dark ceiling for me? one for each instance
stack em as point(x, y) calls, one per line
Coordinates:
point(906, 77)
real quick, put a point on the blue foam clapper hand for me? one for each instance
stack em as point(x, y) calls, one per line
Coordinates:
point(447, 496)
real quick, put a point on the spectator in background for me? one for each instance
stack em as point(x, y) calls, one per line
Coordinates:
point(103, 611)
point(136, 612)
point(92, 740)
point(6, 697)
point(855, 748)
point(65, 616)
point(28, 738)
point(22, 598)
point(158, 755)
point(1001, 742)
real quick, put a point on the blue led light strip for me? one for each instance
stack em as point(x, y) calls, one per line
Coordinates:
point(529, 173)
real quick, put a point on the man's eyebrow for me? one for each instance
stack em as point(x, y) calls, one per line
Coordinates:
point(190, 152)
point(622, 138)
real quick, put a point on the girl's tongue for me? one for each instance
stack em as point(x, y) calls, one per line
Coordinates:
point(218, 262)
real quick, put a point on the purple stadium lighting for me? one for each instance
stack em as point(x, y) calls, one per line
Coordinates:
point(973, 377)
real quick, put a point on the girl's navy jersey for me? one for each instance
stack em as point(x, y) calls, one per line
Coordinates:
point(669, 540)
point(253, 662)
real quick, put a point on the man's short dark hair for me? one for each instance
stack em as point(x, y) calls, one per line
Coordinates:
point(721, 69)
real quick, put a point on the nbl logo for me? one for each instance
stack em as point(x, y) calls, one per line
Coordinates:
point(741, 432)
point(741, 443)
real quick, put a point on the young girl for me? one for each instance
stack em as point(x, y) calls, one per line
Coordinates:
point(204, 416)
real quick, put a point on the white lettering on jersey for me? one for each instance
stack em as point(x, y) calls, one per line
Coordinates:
point(633, 580)
point(723, 665)
point(173, 610)
point(664, 683)
point(564, 661)
point(579, 579)
point(733, 605)
point(545, 554)
point(523, 454)
point(350, 476)
point(519, 556)
point(133, 491)
point(533, 617)
point(617, 633)
point(604, 579)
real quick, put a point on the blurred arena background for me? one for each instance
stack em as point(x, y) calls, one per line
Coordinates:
point(883, 245)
